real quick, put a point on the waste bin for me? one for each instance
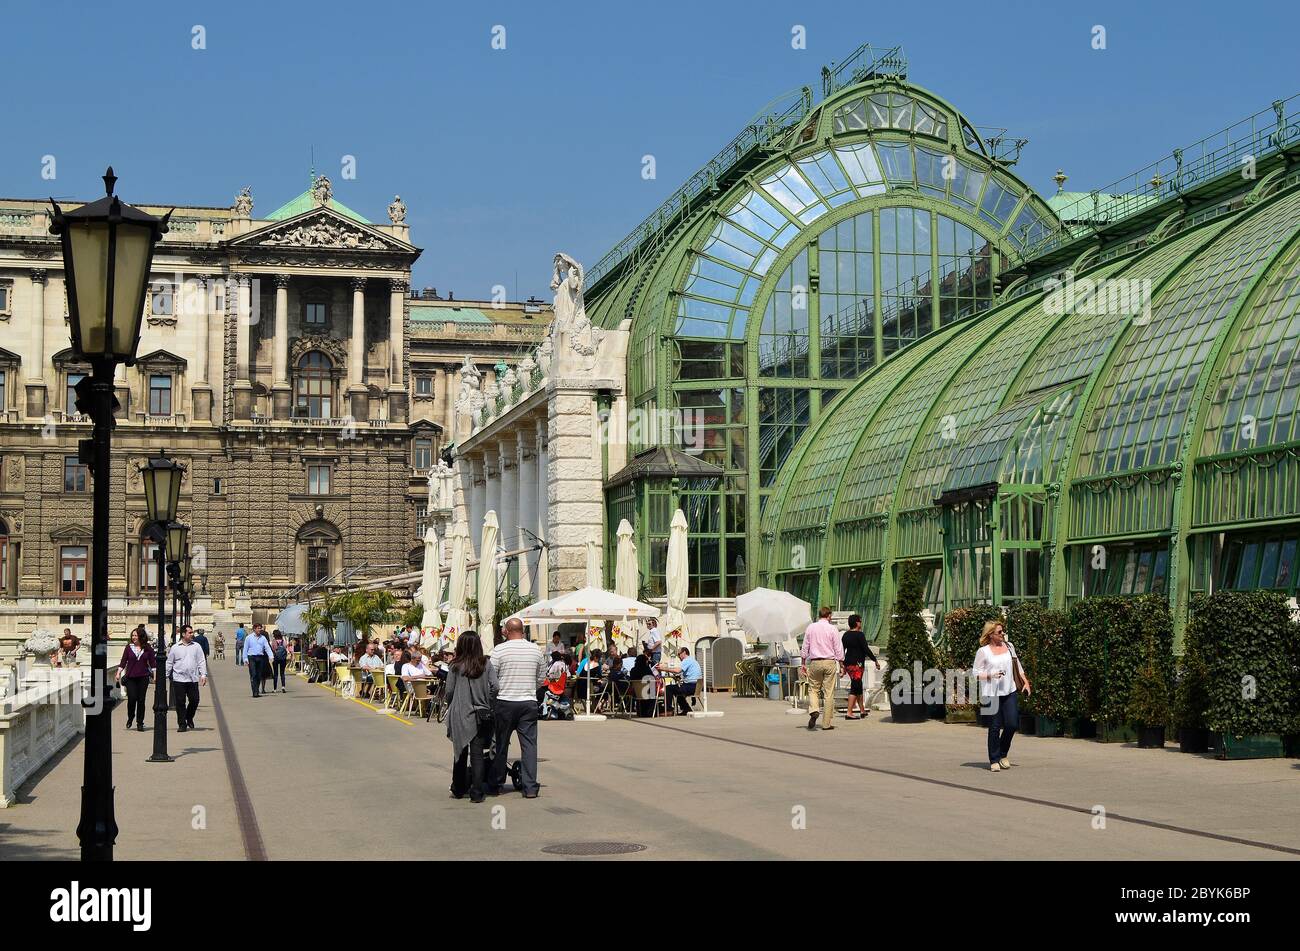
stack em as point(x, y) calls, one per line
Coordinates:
point(774, 685)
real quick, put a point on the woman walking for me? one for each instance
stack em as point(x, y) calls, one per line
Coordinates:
point(281, 652)
point(471, 719)
point(998, 670)
point(137, 668)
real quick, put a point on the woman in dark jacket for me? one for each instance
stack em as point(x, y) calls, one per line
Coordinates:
point(642, 668)
point(137, 668)
point(471, 697)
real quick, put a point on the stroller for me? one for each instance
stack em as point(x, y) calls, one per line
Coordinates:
point(514, 771)
point(555, 707)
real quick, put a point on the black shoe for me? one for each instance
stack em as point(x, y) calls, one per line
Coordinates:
point(190, 724)
point(130, 721)
point(475, 799)
point(812, 721)
point(530, 795)
point(182, 728)
point(140, 727)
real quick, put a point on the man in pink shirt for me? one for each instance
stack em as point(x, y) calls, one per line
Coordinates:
point(823, 665)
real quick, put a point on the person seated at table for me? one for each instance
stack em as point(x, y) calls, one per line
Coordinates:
point(442, 666)
point(394, 668)
point(337, 655)
point(688, 668)
point(629, 662)
point(556, 675)
point(416, 668)
point(556, 644)
point(590, 667)
point(643, 671)
point(369, 663)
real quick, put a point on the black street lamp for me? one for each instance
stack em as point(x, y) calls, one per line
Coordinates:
point(162, 492)
point(177, 555)
point(107, 255)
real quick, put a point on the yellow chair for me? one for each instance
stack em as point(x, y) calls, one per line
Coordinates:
point(417, 694)
point(391, 692)
point(378, 688)
point(344, 685)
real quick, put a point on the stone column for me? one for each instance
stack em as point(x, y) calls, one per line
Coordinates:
point(397, 396)
point(281, 395)
point(527, 505)
point(542, 528)
point(450, 389)
point(574, 491)
point(35, 378)
point(358, 396)
point(492, 475)
point(478, 499)
point(242, 389)
point(197, 301)
point(508, 514)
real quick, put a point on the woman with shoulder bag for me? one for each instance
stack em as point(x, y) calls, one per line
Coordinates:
point(471, 697)
point(1001, 678)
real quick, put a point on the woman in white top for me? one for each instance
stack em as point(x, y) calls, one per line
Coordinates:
point(995, 669)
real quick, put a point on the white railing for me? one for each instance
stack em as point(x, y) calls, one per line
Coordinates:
point(36, 721)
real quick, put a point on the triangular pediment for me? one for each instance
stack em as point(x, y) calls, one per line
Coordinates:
point(322, 229)
point(160, 360)
point(71, 533)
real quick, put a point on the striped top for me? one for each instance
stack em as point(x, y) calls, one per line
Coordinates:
point(520, 668)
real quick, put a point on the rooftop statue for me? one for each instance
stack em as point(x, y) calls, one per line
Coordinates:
point(397, 210)
point(573, 338)
point(244, 202)
point(322, 191)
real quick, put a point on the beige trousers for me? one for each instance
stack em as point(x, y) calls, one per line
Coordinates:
point(823, 675)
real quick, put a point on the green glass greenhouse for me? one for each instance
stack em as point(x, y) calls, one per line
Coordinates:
point(897, 351)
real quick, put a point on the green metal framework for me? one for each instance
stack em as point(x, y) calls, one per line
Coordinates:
point(824, 242)
point(1125, 420)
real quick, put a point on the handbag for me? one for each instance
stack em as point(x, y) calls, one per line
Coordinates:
point(1016, 670)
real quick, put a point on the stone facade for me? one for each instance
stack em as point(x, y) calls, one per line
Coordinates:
point(283, 360)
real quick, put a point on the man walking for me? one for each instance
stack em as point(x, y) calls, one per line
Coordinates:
point(188, 668)
point(823, 663)
point(257, 651)
point(520, 669)
point(240, 636)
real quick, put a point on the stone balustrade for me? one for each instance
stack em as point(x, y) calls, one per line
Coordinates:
point(38, 720)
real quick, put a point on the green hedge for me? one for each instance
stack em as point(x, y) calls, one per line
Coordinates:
point(1040, 636)
point(1247, 641)
point(1109, 635)
point(961, 634)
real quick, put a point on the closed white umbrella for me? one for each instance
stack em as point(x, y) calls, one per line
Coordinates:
point(678, 583)
point(626, 576)
point(457, 618)
point(487, 579)
point(431, 580)
point(594, 579)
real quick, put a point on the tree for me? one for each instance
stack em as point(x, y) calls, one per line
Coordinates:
point(909, 641)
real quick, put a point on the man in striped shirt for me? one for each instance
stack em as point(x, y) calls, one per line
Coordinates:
point(521, 669)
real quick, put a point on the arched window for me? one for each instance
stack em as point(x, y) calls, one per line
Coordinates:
point(314, 390)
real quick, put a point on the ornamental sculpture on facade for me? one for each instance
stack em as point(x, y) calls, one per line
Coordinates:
point(325, 234)
point(573, 338)
point(322, 191)
point(441, 490)
point(397, 210)
point(244, 202)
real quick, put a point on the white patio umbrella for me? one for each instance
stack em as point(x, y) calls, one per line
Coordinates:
point(594, 579)
point(773, 616)
point(487, 580)
point(626, 576)
point(431, 580)
point(678, 582)
point(457, 617)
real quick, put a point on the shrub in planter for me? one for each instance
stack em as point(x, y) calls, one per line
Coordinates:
point(961, 639)
point(1108, 636)
point(1245, 640)
point(910, 649)
point(1028, 624)
point(1053, 673)
point(1148, 704)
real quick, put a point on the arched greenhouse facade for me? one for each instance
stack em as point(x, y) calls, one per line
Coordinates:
point(1122, 421)
point(826, 242)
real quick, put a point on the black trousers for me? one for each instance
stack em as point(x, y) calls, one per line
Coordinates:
point(681, 692)
point(185, 698)
point(277, 672)
point(137, 690)
point(516, 716)
point(257, 672)
point(467, 771)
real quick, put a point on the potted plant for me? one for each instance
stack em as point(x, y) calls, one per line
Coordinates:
point(909, 651)
point(1029, 626)
point(1148, 704)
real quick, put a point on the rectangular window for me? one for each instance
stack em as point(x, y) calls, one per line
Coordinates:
point(162, 300)
point(160, 395)
point(75, 475)
point(4, 298)
point(318, 564)
point(72, 619)
point(318, 480)
point(422, 454)
point(424, 386)
point(149, 566)
point(70, 397)
point(3, 404)
point(421, 520)
point(73, 561)
point(218, 486)
point(316, 314)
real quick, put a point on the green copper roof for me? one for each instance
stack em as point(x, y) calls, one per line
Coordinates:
point(305, 202)
point(455, 315)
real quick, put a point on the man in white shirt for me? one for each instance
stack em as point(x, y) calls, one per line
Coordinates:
point(521, 669)
point(370, 662)
point(188, 669)
point(653, 640)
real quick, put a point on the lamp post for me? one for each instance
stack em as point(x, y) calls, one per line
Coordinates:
point(177, 555)
point(162, 492)
point(107, 253)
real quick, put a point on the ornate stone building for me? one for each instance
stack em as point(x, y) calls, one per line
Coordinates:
point(283, 360)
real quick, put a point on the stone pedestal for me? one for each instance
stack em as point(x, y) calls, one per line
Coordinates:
point(281, 401)
point(201, 397)
point(575, 501)
point(242, 394)
point(397, 406)
point(359, 404)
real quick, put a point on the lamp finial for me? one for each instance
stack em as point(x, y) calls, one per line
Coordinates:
point(110, 181)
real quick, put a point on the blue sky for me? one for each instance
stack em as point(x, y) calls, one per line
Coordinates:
point(504, 156)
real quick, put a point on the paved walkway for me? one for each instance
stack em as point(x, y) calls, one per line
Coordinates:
point(309, 775)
